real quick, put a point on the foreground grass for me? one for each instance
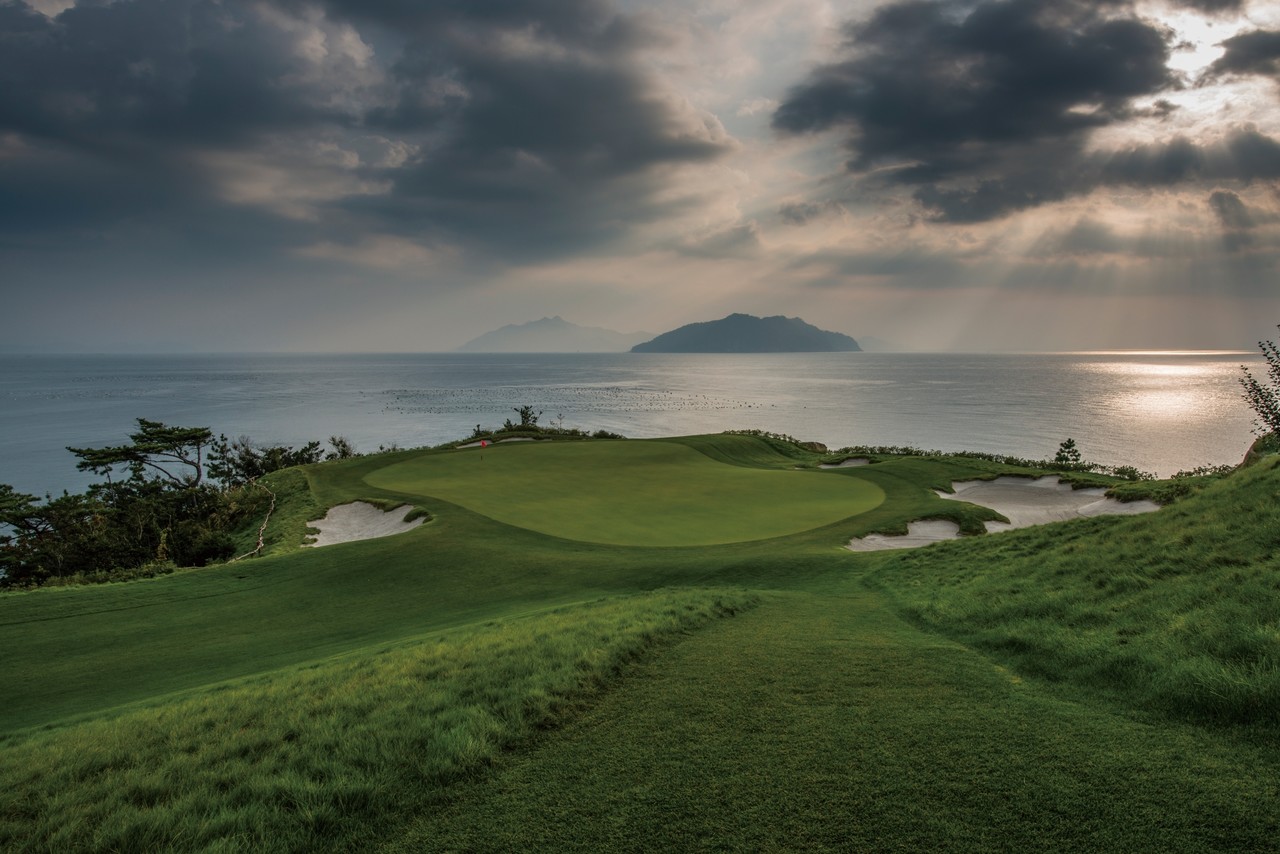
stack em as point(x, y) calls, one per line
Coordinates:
point(332, 755)
point(822, 722)
point(1177, 612)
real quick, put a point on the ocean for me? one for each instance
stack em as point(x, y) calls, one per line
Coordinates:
point(1159, 411)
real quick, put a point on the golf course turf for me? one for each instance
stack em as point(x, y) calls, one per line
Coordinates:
point(520, 673)
point(630, 493)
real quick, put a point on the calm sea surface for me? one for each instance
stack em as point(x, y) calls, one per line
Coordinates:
point(1161, 412)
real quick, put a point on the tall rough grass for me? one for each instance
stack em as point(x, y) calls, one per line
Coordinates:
point(329, 756)
point(1177, 612)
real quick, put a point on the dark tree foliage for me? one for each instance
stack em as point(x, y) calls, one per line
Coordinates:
point(64, 536)
point(1264, 395)
point(112, 527)
point(180, 495)
point(174, 453)
point(528, 419)
point(161, 514)
point(1068, 454)
point(18, 511)
point(343, 448)
point(240, 462)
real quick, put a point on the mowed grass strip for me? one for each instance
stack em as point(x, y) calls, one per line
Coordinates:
point(633, 493)
point(327, 757)
point(823, 722)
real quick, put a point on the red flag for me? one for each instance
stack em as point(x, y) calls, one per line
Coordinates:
point(484, 443)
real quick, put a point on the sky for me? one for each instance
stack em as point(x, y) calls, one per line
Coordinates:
point(404, 175)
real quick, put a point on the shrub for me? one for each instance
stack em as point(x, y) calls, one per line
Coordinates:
point(1068, 453)
point(1264, 395)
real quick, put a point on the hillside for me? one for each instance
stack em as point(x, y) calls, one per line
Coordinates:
point(744, 333)
point(553, 335)
point(1175, 613)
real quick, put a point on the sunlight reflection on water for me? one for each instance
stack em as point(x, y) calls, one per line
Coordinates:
point(1193, 389)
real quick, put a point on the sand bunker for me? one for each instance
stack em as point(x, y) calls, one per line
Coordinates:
point(360, 520)
point(856, 461)
point(1034, 502)
point(1023, 501)
point(920, 533)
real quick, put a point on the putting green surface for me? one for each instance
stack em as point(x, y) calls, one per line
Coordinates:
point(634, 493)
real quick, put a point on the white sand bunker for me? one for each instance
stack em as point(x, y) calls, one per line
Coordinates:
point(360, 520)
point(856, 461)
point(1023, 501)
point(920, 533)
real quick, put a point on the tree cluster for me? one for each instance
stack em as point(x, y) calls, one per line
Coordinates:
point(240, 462)
point(115, 526)
point(528, 426)
point(172, 496)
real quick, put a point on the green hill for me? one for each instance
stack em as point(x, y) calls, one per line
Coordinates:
point(505, 677)
point(743, 333)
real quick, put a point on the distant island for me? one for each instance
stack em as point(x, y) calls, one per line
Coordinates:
point(744, 333)
point(553, 335)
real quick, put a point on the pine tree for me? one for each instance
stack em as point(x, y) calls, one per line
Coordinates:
point(1068, 453)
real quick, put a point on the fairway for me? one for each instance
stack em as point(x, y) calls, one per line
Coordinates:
point(633, 493)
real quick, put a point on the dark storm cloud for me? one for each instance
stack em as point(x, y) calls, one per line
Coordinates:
point(802, 213)
point(540, 127)
point(56, 189)
point(1235, 218)
point(538, 136)
point(984, 109)
point(107, 110)
point(535, 123)
point(595, 23)
point(1230, 210)
point(1047, 173)
point(953, 86)
point(1245, 155)
point(150, 74)
point(1256, 52)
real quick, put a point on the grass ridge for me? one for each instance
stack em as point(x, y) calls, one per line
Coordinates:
point(330, 755)
point(1176, 612)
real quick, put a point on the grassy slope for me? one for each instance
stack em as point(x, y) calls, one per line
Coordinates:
point(817, 718)
point(329, 755)
point(1177, 612)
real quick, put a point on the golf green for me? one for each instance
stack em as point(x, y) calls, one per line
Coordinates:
point(633, 493)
